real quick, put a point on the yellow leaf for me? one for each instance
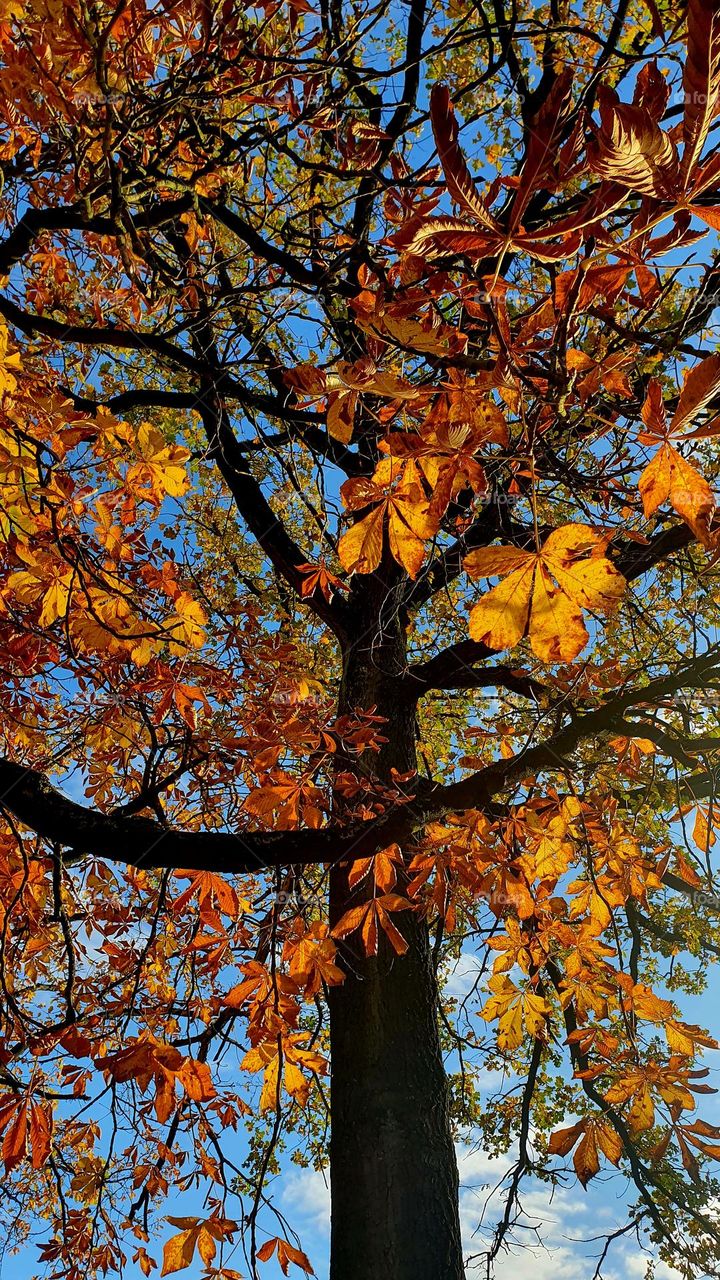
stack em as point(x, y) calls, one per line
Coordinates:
point(668, 477)
point(188, 626)
point(703, 833)
point(341, 415)
point(8, 362)
point(642, 1112)
point(510, 1005)
point(55, 600)
point(269, 1092)
point(501, 618)
point(563, 1140)
point(529, 602)
point(408, 525)
point(179, 1250)
point(360, 549)
point(161, 466)
point(296, 1084)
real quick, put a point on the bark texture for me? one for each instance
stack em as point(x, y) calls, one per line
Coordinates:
point(394, 1181)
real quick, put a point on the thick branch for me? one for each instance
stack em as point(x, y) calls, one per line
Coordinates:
point(142, 842)
point(33, 801)
point(75, 218)
point(634, 559)
point(152, 344)
point(454, 669)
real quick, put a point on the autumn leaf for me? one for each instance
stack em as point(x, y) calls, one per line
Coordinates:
point(460, 184)
point(554, 850)
point(369, 916)
point(518, 1011)
point(187, 628)
point(341, 388)
point(404, 512)
point(14, 1126)
point(9, 363)
point(286, 1052)
point(286, 1254)
point(597, 1136)
point(47, 582)
point(161, 466)
point(212, 892)
point(700, 385)
point(631, 148)
point(543, 594)
point(704, 829)
point(148, 1060)
point(668, 477)
point(41, 1127)
point(319, 578)
point(196, 1080)
point(701, 79)
point(145, 1262)
point(196, 1233)
point(312, 958)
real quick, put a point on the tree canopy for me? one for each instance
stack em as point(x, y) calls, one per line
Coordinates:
point(359, 569)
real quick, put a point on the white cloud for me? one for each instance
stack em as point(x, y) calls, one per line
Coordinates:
point(305, 1192)
point(569, 1222)
point(462, 976)
point(636, 1264)
point(561, 1232)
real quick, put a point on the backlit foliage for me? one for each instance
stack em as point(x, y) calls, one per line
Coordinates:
point(305, 308)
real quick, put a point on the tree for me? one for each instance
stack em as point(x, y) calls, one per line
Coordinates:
point(359, 581)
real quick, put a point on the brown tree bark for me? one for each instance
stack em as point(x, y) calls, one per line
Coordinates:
point(394, 1180)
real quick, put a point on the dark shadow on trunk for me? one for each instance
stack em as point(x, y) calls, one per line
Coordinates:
point(394, 1181)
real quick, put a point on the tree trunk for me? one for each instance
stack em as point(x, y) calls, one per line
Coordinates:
point(393, 1173)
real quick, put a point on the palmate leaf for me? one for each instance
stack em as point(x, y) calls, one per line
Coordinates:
point(286, 1254)
point(669, 477)
point(630, 148)
point(543, 594)
point(557, 240)
point(198, 1234)
point(701, 79)
point(436, 237)
point(596, 1136)
point(518, 1011)
point(479, 234)
point(460, 184)
point(405, 514)
point(342, 387)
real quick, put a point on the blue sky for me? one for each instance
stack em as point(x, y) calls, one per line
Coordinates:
point(571, 1223)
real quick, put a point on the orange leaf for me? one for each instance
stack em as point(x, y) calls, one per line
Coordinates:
point(669, 477)
point(40, 1132)
point(286, 1253)
point(702, 382)
point(13, 1147)
point(179, 1250)
point(196, 1080)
